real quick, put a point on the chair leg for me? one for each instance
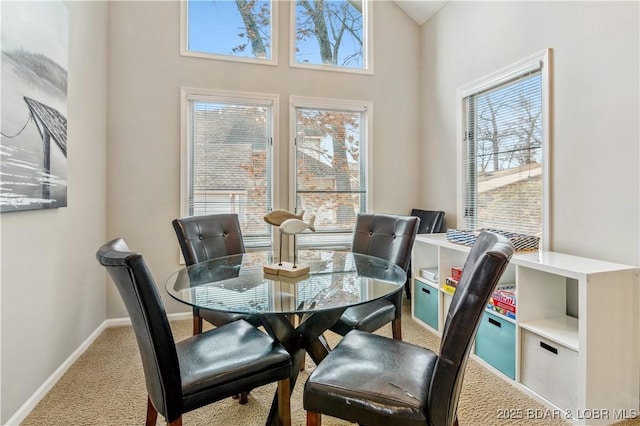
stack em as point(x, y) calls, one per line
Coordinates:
point(284, 402)
point(197, 324)
point(407, 288)
point(242, 397)
point(176, 422)
point(152, 413)
point(313, 419)
point(396, 328)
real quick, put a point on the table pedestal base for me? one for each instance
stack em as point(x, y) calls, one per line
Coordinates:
point(306, 337)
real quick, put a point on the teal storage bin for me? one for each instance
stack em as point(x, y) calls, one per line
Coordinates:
point(496, 343)
point(426, 304)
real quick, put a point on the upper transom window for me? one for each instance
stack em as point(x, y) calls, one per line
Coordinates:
point(241, 30)
point(332, 35)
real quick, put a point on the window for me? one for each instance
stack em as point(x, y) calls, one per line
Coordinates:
point(331, 167)
point(241, 30)
point(504, 162)
point(227, 158)
point(332, 35)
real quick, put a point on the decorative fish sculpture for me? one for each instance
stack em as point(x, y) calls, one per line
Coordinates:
point(296, 226)
point(277, 216)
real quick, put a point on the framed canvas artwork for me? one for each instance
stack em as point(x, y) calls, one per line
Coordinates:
point(33, 133)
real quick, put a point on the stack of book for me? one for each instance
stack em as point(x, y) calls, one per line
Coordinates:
point(503, 300)
point(451, 283)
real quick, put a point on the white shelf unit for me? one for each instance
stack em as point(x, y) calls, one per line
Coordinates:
point(599, 344)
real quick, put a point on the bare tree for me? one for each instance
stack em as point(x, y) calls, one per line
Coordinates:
point(528, 130)
point(340, 127)
point(328, 22)
point(489, 131)
point(507, 141)
point(257, 21)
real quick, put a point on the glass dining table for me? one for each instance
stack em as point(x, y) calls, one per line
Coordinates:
point(294, 311)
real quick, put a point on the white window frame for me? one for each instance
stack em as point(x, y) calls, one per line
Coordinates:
point(538, 61)
point(367, 44)
point(184, 39)
point(367, 131)
point(188, 94)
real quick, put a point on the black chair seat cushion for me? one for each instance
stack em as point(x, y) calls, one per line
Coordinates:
point(228, 360)
point(372, 380)
point(369, 316)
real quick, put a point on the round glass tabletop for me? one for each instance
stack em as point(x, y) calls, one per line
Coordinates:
point(238, 283)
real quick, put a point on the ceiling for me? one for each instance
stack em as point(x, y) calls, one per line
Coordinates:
point(420, 10)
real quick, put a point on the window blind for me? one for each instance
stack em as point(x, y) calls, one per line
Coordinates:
point(503, 140)
point(231, 163)
point(330, 173)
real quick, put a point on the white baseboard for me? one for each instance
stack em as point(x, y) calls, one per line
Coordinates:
point(118, 322)
point(29, 405)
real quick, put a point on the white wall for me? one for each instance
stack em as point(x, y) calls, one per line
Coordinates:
point(595, 137)
point(146, 72)
point(53, 290)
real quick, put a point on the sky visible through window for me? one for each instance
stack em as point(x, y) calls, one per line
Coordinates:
point(344, 24)
point(215, 27)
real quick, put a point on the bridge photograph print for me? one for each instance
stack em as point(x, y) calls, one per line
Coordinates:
point(33, 128)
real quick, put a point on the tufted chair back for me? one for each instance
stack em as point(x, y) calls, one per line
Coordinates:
point(431, 221)
point(386, 236)
point(483, 268)
point(150, 325)
point(207, 237)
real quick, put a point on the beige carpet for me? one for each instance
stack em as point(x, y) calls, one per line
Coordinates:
point(106, 387)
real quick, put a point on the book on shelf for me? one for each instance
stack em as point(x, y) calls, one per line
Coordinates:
point(503, 312)
point(504, 297)
point(504, 306)
point(503, 300)
point(450, 281)
point(456, 272)
point(450, 285)
point(430, 274)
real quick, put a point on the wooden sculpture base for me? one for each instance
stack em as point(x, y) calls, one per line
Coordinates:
point(286, 269)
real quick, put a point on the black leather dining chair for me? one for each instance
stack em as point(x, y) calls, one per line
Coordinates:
point(431, 222)
point(373, 380)
point(207, 237)
point(204, 238)
point(201, 369)
point(389, 237)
